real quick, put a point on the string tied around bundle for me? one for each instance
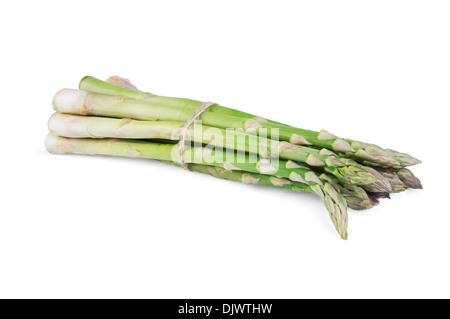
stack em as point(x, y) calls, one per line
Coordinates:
point(185, 128)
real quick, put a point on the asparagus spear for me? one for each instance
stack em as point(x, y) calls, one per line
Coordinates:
point(74, 126)
point(403, 158)
point(395, 181)
point(355, 196)
point(250, 178)
point(369, 154)
point(125, 83)
point(92, 127)
point(95, 127)
point(88, 103)
point(400, 179)
point(333, 200)
point(407, 177)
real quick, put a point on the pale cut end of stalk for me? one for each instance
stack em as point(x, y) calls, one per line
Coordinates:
point(59, 145)
point(403, 158)
point(69, 125)
point(51, 144)
point(57, 123)
point(70, 101)
point(407, 177)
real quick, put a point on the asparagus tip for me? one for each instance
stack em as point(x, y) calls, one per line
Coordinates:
point(407, 177)
point(403, 158)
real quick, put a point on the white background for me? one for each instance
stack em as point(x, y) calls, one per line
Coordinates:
point(92, 227)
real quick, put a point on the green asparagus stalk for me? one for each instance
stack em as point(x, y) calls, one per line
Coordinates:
point(355, 196)
point(74, 126)
point(88, 103)
point(403, 158)
point(333, 200)
point(93, 127)
point(368, 154)
point(125, 83)
point(250, 178)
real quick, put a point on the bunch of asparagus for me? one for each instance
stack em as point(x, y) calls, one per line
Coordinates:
point(114, 118)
